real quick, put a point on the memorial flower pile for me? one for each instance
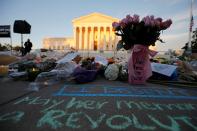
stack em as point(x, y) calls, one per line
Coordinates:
point(135, 31)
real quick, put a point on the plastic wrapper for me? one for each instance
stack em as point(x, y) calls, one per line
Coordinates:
point(45, 76)
point(111, 72)
point(82, 75)
point(64, 70)
point(46, 66)
point(44, 79)
point(69, 57)
point(123, 73)
point(89, 64)
point(36, 86)
point(19, 75)
point(56, 55)
point(33, 86)
point(194, 65)
point(101, 60)
point(22, 65)
point(26, 65)
point(139, 67)
point(61, 72)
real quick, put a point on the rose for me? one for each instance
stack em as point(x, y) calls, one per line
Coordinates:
point(136, 18)
point(133, 31)
point(166, 24)
point(147, 21)
point(115, 25)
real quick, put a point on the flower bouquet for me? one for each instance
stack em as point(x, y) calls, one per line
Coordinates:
point(138, 35)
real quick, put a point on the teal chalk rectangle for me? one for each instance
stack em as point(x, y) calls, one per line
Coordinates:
point(120, 91)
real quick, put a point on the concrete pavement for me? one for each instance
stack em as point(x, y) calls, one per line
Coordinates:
point(99, 105)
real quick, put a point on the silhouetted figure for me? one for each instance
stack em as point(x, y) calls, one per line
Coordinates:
point(22, 50)
point(185, 47)
point(185, 53)
point(28, 46)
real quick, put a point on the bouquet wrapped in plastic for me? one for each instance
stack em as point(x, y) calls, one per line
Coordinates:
point(138, 35)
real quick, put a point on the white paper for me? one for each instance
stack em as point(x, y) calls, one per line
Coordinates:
point(68, 57)
point(164, 69)
point(102, 60)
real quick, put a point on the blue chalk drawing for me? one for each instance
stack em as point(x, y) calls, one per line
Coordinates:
point(123, 91)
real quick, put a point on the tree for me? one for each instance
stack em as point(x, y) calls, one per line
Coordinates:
point(5, 47)
point(194, 41)
point(16, 48)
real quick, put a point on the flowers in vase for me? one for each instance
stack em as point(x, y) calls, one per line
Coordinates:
point(135, 31)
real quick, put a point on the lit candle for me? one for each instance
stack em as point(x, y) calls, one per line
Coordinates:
point(32, 74)
point(3, 70)
point(33, 69)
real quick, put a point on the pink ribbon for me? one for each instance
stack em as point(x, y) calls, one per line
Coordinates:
point(139, 66)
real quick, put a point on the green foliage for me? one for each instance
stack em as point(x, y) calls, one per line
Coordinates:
point(16, 48)
point(5, 47)
point(194, 41)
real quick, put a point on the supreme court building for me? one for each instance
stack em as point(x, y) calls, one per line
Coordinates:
point(91, 32)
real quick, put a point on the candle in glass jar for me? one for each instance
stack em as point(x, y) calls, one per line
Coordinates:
point(32, 74)
point(3, 70)
point(33, 69)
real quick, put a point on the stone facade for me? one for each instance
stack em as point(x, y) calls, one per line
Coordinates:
point(90, 32)
point(57, 43)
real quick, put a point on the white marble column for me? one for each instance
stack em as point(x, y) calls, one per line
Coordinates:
point(99, 38)
point(80, 38)
point(109, 44)
point(92, 38)
point(104, 37)
point(115, 41)
point(112, 36)
point(86, 38)
point(75, 38)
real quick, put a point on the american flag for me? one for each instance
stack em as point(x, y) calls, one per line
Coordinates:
point(191, 24)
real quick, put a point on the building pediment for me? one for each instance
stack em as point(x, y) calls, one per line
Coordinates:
point(94, 18)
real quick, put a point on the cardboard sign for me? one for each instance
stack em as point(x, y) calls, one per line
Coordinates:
point(5, 31)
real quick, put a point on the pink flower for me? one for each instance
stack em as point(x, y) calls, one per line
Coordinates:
point(152, 17)
point(128, 16)
point(136, 18)
point(115, 24)
point(166, 24)
point(130, 20)
point(147, 30)
point(152, 23)
point(124, 22)
point(147, 21)
point(159, 19)
point(157, 23)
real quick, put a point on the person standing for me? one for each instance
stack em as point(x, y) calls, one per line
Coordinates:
point(28, 45)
